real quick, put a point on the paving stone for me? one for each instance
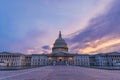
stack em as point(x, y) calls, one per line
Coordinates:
point(60, 73)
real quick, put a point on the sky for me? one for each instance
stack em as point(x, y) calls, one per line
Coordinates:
point(32, 26)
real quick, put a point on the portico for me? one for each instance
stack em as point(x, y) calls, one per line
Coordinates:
point(60, 59)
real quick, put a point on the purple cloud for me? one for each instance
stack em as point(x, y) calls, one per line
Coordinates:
point(104, 25)
point(29, 41)
point(46, 47)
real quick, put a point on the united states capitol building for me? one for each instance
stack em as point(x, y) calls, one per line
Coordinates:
point(59, 56)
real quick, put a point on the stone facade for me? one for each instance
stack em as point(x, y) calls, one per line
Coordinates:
point(15, 59)
point(60, 58)
point(38, 60)
point(81, 60)
point(108, 59)
point(12, 59)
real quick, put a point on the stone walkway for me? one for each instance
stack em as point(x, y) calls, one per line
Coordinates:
point(60, 73)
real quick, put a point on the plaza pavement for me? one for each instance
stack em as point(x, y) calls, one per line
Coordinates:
point(60, 73)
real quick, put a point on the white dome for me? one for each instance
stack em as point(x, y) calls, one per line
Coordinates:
point(60, 44)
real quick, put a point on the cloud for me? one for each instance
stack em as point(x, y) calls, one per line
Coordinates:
point(101, 33)
point(30, 42)
point(46, 47)
point(99, 45)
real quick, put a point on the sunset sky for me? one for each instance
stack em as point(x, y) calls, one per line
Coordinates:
point(32, 26)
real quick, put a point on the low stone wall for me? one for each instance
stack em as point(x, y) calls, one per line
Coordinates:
point(106, 67)
point(29, 67)
point(17, 68)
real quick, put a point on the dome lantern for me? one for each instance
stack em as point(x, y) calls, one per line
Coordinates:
point(60, 36)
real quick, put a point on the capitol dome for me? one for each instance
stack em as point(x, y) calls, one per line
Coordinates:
point(60, 45)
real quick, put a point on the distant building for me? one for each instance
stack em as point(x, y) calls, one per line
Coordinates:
point(59, 56)
point(12, 59)
point(108, 59)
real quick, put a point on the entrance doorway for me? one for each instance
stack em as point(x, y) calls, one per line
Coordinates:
point(60, 61)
